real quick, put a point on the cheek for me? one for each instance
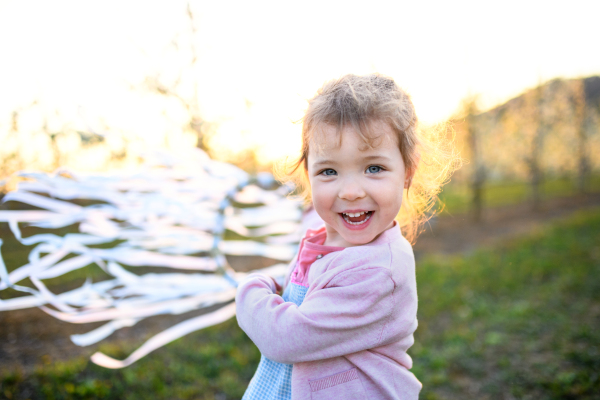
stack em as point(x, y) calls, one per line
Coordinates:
point(319, 197)
point(322, 199)
point(392, 199)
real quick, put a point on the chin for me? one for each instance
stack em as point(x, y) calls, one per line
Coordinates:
point(357, 241)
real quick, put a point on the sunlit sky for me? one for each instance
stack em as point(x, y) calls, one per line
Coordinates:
point(258, 61)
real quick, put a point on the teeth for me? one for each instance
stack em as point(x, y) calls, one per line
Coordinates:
point(355, 215)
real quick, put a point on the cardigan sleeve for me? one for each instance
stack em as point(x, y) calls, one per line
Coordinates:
point(346, 316)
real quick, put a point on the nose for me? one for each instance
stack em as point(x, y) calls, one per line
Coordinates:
point(350, 190)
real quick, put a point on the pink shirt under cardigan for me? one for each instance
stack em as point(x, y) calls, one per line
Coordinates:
point(349, 337)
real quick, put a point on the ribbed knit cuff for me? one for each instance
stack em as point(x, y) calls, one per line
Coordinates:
point(333, 380)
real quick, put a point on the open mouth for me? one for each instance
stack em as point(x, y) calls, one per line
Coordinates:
point(358, 218)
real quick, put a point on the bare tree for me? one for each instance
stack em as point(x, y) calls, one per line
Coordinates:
point(582, 119)
point(475, 149)
point(55, 127)
point(550, 129)
point(178, 87)
point(12, 161)
point(537, 113)
point(534, 159)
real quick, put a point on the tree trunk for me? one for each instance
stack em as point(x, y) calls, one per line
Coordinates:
point(581, 123)
point(583, 167)
point(535, 171)
point(478, 177)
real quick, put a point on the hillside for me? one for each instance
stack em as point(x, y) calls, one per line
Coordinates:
point(549, 130)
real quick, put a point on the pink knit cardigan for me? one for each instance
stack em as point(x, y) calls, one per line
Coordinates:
point(348, 339)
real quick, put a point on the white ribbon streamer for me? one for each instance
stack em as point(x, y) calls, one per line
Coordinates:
point(167, 336)
point(91, 337)
point(183, 212)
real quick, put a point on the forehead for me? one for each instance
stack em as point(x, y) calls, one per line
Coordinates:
point(378, 134)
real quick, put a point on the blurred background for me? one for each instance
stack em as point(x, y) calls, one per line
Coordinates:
point(93, 86)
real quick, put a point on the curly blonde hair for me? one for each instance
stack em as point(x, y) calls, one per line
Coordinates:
point(360, 101)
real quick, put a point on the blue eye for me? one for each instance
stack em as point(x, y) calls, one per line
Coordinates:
point(329, 172)
point(373, 169)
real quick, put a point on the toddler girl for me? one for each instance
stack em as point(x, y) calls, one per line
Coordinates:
point(342, 327)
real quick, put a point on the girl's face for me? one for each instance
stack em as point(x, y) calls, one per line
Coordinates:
point(356, 190)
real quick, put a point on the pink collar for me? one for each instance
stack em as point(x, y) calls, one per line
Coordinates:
point(311, 249)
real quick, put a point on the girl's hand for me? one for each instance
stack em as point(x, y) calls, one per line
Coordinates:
point(278, 287)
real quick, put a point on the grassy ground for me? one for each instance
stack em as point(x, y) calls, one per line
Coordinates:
point(457, 198)
point(519, 321)
point(216, 363)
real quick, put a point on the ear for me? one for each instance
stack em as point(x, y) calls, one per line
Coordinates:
point(410, 173)
point(408, 180)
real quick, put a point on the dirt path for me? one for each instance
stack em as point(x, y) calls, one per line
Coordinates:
point(31, 337)
point(459, 234)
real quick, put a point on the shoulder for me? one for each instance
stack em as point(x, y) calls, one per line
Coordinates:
point(386, 259)
point(361, 264)
point(358, 256)
point(385, 251)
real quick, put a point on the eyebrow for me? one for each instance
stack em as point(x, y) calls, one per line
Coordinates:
point(376, 158)
point(366, 158)
point(323, 162)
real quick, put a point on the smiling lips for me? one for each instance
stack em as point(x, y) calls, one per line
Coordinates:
point(357, 218)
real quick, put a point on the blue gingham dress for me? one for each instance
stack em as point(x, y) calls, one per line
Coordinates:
point(273, 380)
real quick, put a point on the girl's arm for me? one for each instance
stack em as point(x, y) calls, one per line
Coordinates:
point(350, 314)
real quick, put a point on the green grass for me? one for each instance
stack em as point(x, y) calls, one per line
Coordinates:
point(457, 198)
point(521, 320)
point(215, 363)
